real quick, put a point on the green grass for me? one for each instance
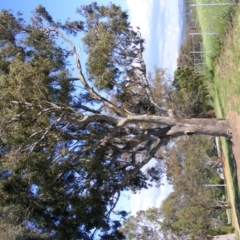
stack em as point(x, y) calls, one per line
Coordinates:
point(213, 19)
point(222, 56)
point(227, 69)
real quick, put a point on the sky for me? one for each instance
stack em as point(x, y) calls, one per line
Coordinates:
point(160, 23)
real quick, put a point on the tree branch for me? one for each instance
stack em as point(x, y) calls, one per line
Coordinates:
point(91, 91)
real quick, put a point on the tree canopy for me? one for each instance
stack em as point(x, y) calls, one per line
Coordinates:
point(191, 93)
point(69, 144)
point(193, 209)
point(145, 225)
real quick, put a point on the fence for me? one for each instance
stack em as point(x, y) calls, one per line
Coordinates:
point(198, 50)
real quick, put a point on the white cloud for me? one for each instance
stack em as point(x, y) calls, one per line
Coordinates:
point(140, 15)
point(141, 12)
point(142, 200)
point(172, 34)
point(165, 190)
point(162, 4)
point(160, 27)
point(151, 197)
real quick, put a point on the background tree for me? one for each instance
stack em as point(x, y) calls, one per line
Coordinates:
point(145, 225)
point(190, 97)
point(192, 208)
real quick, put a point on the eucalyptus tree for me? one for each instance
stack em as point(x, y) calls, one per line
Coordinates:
point(191, 96)
point(66, 154)
point(145, 225)
point(192, 208)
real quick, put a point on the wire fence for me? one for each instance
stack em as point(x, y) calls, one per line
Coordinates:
point(211, 15)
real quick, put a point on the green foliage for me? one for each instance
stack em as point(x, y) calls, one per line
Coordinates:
point(109, 42)
point(58, 178)
point(191, 95)
point(33, 79)
point(186, 78)
point(221, 231)
point(33, 74)
point(189, 209)
point(145, 225)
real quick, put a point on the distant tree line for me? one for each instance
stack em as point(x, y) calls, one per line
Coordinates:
point(192, 209)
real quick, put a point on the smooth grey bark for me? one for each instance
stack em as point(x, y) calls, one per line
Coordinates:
point(172, 127)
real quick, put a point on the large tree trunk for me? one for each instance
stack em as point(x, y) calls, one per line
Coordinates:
point(212, 127)
point(175, 126)
point(179, 126)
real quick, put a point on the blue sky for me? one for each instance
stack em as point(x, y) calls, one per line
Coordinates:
point(60, 9)
point(160, 23)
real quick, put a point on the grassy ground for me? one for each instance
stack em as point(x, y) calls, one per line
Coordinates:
point(222, 56)
point(213, 21)
point(227, 91)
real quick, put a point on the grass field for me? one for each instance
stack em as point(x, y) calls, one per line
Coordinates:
point(222, 57)
point(213, 21)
